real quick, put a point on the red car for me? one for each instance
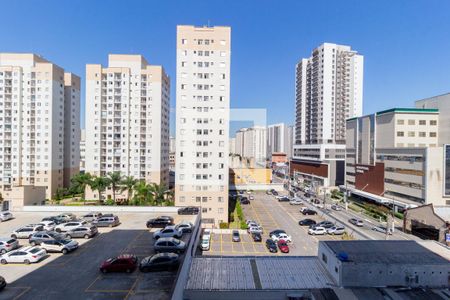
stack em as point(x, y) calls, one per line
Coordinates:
point(283, 246)
point(123, 263)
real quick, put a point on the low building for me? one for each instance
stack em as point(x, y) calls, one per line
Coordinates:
point(425, 223)
point(279, 157)
point(393, 157)
point(19, 196)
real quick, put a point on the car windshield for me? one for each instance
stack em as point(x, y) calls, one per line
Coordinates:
point(235, 233)
point(176, 242)
point(65, 242)
point(204, 241)
point(283, 243)
point(34, 250)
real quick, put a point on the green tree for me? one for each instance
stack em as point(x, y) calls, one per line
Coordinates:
point(79, 182)
point(114, 180)
point(127, 184)
point(99, 184)
point(159, 192)
point(142, 193)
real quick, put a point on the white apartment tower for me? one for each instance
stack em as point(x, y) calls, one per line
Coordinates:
point(127, 119)
point(253, 143)
point(202, 125)
point(279, 139)
point(39, 123)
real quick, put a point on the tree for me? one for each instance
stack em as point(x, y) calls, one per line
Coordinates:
point(159, 192)
point(127, 184)
point(142, 193)
point(79, 182)
point(114, 180)
point(99, 184)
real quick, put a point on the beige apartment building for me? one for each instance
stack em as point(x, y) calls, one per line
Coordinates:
point(202, 125)
point(39, 123)
point(393, 157)
point(127, 119)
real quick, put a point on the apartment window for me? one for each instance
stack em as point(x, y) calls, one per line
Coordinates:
point(184, 41)
point(204, 210)
point(222, 42)
point(220, 199)
point(204, 199)
point(182, 199)
point(411, 122)
point(198, 199)
point(433, 122)
point(422, 134)
point(432, 134)
point(411, 133)
point(400, 133)
point(422, 122)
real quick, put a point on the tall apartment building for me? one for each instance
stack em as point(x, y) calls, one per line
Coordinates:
point(83, 150)
point(393, 157)
point(329, 90)
point(40, 123)
point(279, 139)
point(253, 144)
point(127, 119)
point(203, 103)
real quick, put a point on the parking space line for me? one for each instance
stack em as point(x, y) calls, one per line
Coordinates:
point(92, 283)
point(26, 289)
point(221, 249)
point(132, 288)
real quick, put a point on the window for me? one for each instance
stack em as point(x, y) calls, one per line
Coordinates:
point(411, 133)
point(433, 122)
point(422, 122)
point(222, 42)
point(422, 134)
point(400, 133)
point(220, 210)
point(400, 122)
point(204, 210)
point(432, 134)
point(184, 41)
point(411, 122)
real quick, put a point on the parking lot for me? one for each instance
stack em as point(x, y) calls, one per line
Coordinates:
point(77, 276)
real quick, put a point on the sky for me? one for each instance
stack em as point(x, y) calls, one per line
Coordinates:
point(406, 44)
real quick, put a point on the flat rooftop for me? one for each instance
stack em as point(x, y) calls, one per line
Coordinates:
point(256, 273)
point(388, 252)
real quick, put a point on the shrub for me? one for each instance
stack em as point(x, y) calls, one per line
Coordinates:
point(109, 201)
point(224, 225)
point(399, 215)
point(231, 218)
point(243, 224)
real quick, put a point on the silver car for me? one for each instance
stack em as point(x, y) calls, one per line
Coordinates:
point(63, 246)
point(336, 230)
point(92, 216)
point(82, 232)
point(26, 232)
point(109, 221)
point(168, 231)
point(8, 244)
point(5, 216)
point(185, 226)
point(43, 236)
point(169, 244)
point(69, 226)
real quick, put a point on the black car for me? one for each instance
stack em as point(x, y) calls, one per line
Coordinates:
point(2, 283)
point(275, 193)
point(188, 210)
point(160, 222)
point(284, 199)
point(309, 212)
point(256, 237)
point(306, 222)
point(271, 245)
point(244, 200)
point(325, 224)
point(276, 231)
point(160, 262)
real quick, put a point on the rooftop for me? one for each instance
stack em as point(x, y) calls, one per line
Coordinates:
point(389, 252)
point(408, 110)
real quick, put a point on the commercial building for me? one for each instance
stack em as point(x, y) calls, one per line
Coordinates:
point(393, 157)
point(329, 90)
point(39, 123)
point(202, 125)
point(279, 139)
point(127, 119)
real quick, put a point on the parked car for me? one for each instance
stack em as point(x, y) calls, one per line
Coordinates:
point(271, 245)
point(160, 262)
point(185, 227)
point(252, 224)
point(325, 224)
point(122, 263)
point(44, 236)
point(2, 283)
point(63, 246)
point(55, 219)
point(92, 216)
point(106, 221)
point(336, 207)
point(5, 216)
point(169, 231)
point(244, 200)
point(255, 229)
point(356, 222)
point(276, 231)
point(47, 225)
point(317, 230)
point(318, 204)
point(295, 201)
point(24, 255)
point(205, 243)
point(306, 222)
point(82, 232)
point(206, 233)
point(26, 232)
point(189, 210)
point(281, 236)
point(235, 236)
point(382, 229)
point(256, 237)
point(67, 217)
point(283, 246)
point(269, 192)
point(169, 244)
point(8, 244)
point(160, 222)
point(275, 193)
point(309, 212)
point(251, 197)
point(69, 226)
point(336, 230)
point(284, 199)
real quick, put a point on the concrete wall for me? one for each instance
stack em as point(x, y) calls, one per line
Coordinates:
point(247, 294)
point(88, 208)
point(20, 196)
point(258, 187)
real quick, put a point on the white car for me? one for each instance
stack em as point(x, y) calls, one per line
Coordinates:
point(318, 205)
point(252, 224)
point(317, 231)
point(67, 217)
point(69, 226)
point(185, 226)
point(206, 234)
point(336, 207)
point(47, 225)
point(255, 229)
point(24, 255)
point(205, 244)
point(63, 246)
point(5, 216)
point(281, 236)
point(26, 232)
point(169, 231)
point(295, 201)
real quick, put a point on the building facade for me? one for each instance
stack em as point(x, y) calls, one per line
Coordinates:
point(127, 119)
point(83, 150)
point(393, 157)
point(329, 89)
point(279, 139)
point(40, 123)
point(202, 125)
point(253, 144)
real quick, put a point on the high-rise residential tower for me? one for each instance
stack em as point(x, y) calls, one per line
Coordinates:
point(329, 90)
point(202, 125)
point(127, 119)
point(279, 139)
point(40, 123)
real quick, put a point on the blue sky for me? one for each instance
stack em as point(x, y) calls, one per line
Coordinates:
point(406, 44)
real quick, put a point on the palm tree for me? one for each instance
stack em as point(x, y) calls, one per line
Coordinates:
point(127, 184)
point(142, 193)
point(114, 180)
point(80, 181)
point(100, 184)
point(159, 192)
